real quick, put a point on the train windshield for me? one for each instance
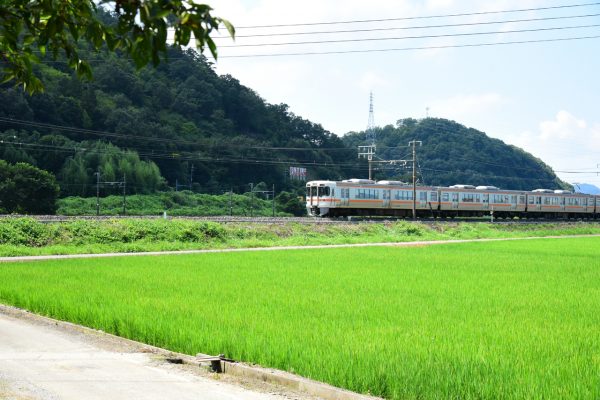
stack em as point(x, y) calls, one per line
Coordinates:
point(309, 191)
point(323, 191)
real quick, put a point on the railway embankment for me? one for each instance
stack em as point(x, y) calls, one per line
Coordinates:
point(29, 236)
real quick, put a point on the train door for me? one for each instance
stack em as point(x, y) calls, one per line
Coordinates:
point(309, 194)
point(486, 201)
point(538, 203)
point(455, 201)
point(387, 194)
point(344, 197)
point(585, 204)
point(422, 199)
point(562, 203)
point(513, 202)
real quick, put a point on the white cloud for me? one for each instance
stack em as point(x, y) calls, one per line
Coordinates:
point(566, 143)
point(564, 126)
point(462, 106)
point(371, 80)
point(439, 4)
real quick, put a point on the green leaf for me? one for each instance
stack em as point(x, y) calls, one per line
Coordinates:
point(212, 46)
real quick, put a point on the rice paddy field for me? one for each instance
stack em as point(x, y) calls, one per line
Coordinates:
point(514, 320)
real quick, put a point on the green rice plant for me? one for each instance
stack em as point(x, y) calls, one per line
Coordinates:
point(514, 319)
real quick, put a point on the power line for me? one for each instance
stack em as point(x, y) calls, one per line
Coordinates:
point(162, 140)
point(453, 46)
point(443, 35)
point(421, 17)
point(192, 157)
point(411, 27)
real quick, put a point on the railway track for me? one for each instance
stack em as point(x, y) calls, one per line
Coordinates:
point(285, 220)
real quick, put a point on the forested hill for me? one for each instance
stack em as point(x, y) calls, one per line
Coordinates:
point(153, 125)
point(182, 122)
point(454, 154)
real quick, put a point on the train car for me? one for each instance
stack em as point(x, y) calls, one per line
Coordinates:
point(364, 197)
point(472, 201)
point(367, 197)
point(545, 203)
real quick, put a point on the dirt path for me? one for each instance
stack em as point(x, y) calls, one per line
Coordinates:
point(331, 246)
point(44, 361)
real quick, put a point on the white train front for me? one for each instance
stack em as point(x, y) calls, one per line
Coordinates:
point(363, 197)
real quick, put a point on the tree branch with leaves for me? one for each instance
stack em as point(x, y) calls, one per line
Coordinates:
point(32, 30)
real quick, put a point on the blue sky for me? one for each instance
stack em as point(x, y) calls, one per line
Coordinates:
point(542, 97)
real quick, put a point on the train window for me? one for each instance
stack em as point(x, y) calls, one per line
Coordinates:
point(521, 199)
point(531, 200)
point(546, 200)
point(386, 194)
point(404, 195)
point(455, 197)
point(538, 199)
point(478, 198)
point(468, 197)
point(423, 196)
point(308, 191)
point(323, 191)
point(434, 196)
point(445, 196)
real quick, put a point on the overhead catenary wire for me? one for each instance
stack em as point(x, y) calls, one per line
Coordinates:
point(465, 24)
point(439, 47)
point(174, 153)
point(437, 36)
point(465, 14)
point(164, 140)
point(191, 157)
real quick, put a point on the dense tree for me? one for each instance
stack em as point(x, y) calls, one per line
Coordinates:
point(25, 189)
point(454, 154)
point(30, 29)
point(181, 116)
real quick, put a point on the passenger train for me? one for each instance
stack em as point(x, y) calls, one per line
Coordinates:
point(364, 197)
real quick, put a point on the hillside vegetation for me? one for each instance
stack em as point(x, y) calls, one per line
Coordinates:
point(182, 123)
point(454, 154)
point(177, 204)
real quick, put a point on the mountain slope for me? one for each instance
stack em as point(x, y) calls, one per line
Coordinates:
point(586, 188)
point(178, 115)
point(454, 154)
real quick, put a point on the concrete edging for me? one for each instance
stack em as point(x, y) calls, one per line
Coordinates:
point(272, 376)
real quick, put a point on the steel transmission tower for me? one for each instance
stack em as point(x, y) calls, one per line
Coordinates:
point(371, 124)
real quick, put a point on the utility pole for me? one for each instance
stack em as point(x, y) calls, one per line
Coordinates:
point(367, 152)
point(231, 202)
point(251, 199)
point(124, 195)
point(413, 143)
point(273, 200)
point(191, 176)
point(97, 193)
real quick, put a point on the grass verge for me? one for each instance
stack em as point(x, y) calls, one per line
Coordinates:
point(26, 236)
